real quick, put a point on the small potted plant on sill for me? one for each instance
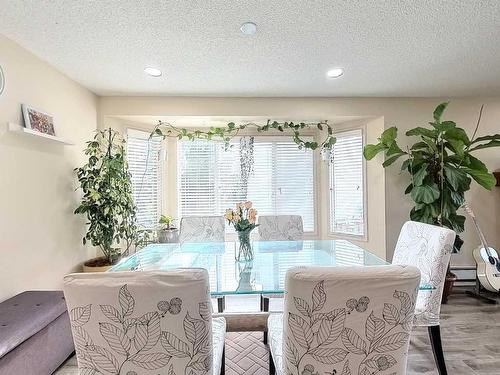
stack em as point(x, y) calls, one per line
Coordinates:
point(441, 167)
point(107, 201)
point(167, 233)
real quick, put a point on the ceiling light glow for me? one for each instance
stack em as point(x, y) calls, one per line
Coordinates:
point(335, 73)
point(248, 28)
point(153, 72)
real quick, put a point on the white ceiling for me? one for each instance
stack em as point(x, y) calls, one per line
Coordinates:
point(388, 48)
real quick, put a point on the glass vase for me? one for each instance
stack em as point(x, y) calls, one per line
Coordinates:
point(245, 251)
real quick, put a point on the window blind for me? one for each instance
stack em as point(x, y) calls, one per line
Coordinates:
point(145, 167)
point(282, 181)
point(347, 211)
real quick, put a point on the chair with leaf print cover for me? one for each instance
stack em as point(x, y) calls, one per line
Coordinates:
point(280, 227)
point(344, 321)
point(427, 247)
point(202, 229)
point(146, 323)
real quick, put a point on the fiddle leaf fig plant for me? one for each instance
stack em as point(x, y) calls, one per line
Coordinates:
point(107, 200)
point(441, 167)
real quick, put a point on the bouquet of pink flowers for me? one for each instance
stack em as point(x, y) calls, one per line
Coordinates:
point(243, 218)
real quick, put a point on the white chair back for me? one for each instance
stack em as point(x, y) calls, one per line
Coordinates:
point(427, 247)
point(355, 320)
point(281, 228)
point(202, 229)
point(141, 322)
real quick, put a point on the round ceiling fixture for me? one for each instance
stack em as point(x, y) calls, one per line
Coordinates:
point(153, 72)
point(335, 73)
point(248, 28)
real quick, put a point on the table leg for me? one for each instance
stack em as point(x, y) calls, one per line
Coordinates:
point(221, 304)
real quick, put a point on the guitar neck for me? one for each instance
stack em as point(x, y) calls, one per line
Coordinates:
point(482, 238)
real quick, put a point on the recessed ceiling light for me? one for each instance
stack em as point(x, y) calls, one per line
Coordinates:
point(248, 28)
point(335, 73)
point(153, 72)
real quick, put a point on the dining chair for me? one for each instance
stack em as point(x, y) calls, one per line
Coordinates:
point(427, 247)
point(344, 320)
point(202, 229)
point(280, 227)
point(144, 323)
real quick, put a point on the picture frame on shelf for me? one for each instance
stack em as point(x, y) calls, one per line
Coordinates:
point(38, 120)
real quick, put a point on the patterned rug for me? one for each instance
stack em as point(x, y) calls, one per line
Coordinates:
point(246, 354)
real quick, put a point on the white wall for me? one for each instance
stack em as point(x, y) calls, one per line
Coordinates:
point(404, 113)
point(40, 238)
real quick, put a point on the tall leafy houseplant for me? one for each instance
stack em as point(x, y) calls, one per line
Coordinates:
point(107, 200)
point(441, 168)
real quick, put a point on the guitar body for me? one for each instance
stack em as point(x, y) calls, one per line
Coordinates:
point(487, 273)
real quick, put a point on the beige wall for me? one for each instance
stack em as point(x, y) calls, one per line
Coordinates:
point(40, 238)
point(404, 113)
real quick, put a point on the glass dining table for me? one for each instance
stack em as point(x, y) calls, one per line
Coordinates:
point(265, 274)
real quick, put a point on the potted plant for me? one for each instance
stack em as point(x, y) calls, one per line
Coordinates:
point(167, 233)
point(441, 167)
point(107, 200)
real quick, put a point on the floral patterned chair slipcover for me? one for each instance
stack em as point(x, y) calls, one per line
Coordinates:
point(202, 229)
point(281, 228)
point(147, 323)
point(428, 248)
point(344, 321)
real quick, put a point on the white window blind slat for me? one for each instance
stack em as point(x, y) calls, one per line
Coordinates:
point(145, 167)
point(347, 211)
point(282, 181)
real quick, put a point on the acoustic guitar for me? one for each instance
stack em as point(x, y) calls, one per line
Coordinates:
point(486, 257)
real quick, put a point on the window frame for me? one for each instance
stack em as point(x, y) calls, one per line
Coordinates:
point(162, 168)
point(274, 138)
point(351, 237)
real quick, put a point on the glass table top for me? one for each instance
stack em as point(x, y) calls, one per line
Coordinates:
point(265, 274)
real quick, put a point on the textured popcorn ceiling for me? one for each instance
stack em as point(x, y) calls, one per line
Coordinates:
point(388, 48)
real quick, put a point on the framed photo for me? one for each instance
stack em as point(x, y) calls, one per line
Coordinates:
point(40, 121)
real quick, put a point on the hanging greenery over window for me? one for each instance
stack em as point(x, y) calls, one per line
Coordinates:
point(441, 168)
point(231, 130)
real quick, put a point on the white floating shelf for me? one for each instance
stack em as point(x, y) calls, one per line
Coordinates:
point(16, 128)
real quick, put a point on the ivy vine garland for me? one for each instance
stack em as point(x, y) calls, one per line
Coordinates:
point(231, 130)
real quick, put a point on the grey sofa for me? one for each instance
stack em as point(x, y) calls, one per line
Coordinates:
point(35, 334)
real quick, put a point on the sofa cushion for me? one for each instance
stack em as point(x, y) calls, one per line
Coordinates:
point(26, 314)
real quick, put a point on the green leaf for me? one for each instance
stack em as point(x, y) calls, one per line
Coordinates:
point(474, 163)
point(425, 193)
point(438, 112)
point(405, 164)
point(457, 178)
point(457, 146)
point(485, 179)
point(457, 198)
point(389, 135)
point(393, 149)
point(458, 134)
point(494, 137)
point(455, 222)
point(444, 126)
point(418, 177)
point(422, 132)
point(370, 151)
point(391, 160)
point(493, 143)
point(409, 189)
